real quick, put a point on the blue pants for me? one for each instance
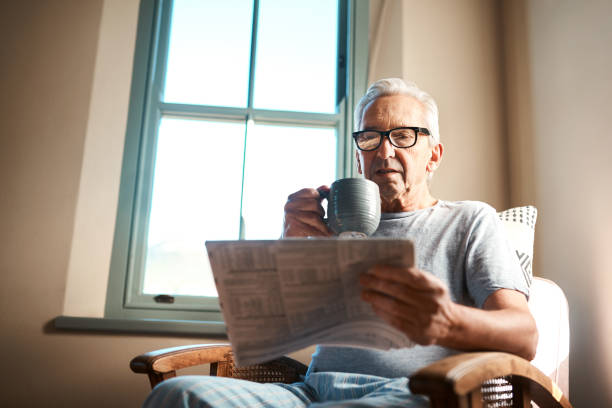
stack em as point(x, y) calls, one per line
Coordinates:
point(325, 389)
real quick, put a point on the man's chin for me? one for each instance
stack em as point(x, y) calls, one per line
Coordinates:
point(390, 191)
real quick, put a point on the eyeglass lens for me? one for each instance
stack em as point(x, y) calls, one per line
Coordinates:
point(369, 140)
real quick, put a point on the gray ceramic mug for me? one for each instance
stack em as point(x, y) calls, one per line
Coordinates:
point(353, 207)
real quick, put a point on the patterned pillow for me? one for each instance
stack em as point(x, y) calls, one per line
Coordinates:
point(520, 227)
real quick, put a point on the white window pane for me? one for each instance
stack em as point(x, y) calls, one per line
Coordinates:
point(210, 48)
point(296, 55)
point(280, 161)
point(196, 197)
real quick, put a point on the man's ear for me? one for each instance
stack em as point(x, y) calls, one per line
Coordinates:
point(436, 157)
point(358, 162)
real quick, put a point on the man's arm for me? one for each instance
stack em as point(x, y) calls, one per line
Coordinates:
point(419, 304)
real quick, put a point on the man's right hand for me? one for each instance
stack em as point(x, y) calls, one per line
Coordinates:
point(304, 214)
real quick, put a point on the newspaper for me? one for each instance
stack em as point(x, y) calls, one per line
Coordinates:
point(281, 296)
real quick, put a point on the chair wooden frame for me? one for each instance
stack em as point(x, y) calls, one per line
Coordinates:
point(455, 381)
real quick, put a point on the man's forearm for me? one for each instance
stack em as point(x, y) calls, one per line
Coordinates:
point(419, 305)
point(502, 326)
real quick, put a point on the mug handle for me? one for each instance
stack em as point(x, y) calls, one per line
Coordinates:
point(324, 195)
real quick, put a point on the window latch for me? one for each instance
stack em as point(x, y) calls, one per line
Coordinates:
point(164, 299)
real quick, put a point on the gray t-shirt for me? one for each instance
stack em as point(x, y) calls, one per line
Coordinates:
point(462, 243)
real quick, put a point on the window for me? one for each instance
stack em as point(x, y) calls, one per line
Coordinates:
point(234, 105)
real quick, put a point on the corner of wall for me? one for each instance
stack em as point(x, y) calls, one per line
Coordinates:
point(94, 225)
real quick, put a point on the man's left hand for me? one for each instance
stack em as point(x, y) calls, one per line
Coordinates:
point(413, 301)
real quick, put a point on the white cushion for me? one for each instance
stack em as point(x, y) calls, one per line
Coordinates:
point(547, 301)
point(519, 223)
point(548, 306)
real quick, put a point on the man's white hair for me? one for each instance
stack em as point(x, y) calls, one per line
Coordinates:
point(397, 86)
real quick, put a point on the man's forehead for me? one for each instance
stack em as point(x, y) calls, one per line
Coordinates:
point(395, 108)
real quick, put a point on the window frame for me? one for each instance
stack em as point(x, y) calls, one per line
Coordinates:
point(145, 112)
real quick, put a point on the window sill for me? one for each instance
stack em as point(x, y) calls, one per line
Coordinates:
point(180, 328)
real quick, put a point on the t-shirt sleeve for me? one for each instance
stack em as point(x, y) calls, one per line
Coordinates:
point(490, 263)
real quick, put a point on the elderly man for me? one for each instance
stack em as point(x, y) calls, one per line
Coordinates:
point(465, 293)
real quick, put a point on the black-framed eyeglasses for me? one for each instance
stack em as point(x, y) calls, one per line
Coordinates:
point(402, 137)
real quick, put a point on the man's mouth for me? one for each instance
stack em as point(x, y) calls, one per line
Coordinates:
point(386, 171)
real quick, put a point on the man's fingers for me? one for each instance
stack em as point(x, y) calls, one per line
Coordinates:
point(303, 230)
point(414, 297)
point(418, 326)
point(305, 193)
point(400, 322)
point(304, 214)
point(296, 227)
point(406, 324)
point(307, 199)
point(323, 191)
point(413, 277)
point(413, 331)
point(411, 306)
point(308, 218)
point(387, 304)
point(304, 204)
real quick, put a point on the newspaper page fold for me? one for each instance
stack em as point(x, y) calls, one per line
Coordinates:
point(281, 296)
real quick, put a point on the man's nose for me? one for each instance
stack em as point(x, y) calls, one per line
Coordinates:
point(385, 149)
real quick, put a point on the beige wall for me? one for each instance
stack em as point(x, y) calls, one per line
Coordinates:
point(451, 50)
point(560, 94)
point(47, 60)
point(571, 76)
point(98, 189)
point(386, 45)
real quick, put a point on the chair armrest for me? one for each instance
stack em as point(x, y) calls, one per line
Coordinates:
point(176, 358)
point(162, 364)
point(464, 373)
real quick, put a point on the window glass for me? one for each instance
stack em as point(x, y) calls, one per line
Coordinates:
point(281, 160)
point(296, 62)
point(213, 175)
point(196, 196)
point(210, 48)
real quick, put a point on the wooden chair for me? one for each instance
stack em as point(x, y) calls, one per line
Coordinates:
point(484, 379)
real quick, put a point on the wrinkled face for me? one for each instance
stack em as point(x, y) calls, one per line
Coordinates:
point(401, 173)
